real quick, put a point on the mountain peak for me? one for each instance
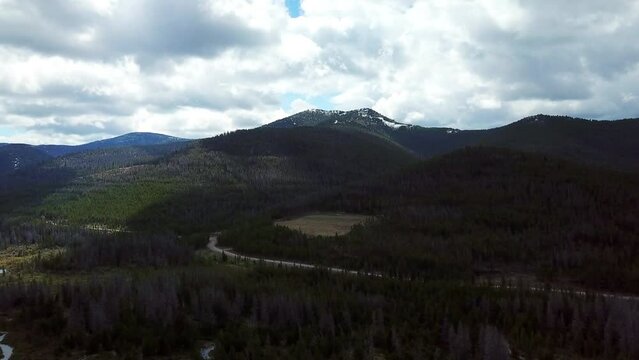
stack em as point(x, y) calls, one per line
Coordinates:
point(133, 139)
point(126, 140)
point(366, 118)
point(362, 112)
point(541, 119)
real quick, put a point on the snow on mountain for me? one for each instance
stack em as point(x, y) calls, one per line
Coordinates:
point(361, 118)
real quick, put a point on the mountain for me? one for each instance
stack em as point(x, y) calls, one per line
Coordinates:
point(475, 211)
point(282, 165)
point(224, 179)
point(92, 161)
point(127, 140)
point(361, 119)
point(211, 182)
point(19, 156)
point(441, 233)
point(605, 143)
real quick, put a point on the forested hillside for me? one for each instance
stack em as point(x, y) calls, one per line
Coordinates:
point(452, 224)
point(93, 161)
point(215, 181)
point(14, 157)
point(103, 252)
point(123, 141)
point(603, 143)
point(141, 295)
point(477, 211)
point(23, 189)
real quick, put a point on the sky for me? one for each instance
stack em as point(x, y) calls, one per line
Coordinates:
point(73, 71)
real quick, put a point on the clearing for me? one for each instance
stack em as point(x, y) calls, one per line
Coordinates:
point(324, 224)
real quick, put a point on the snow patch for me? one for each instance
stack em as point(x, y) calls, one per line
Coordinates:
point(363, 116)
point(327, 112)
point(391, 124)
point(363, 113)
point(452, 131)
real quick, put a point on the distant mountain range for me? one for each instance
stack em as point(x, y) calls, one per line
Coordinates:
point(131, 139)
point(18, 156)
point(156, 181)
point(606, 143)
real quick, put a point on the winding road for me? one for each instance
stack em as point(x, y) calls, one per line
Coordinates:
point(297, 265)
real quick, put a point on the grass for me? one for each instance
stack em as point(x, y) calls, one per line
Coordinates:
point(324, 224)
point(15, 258)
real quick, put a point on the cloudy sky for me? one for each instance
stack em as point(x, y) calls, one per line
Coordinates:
point(78, 70)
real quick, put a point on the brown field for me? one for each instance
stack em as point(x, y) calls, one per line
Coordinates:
point(324, 224)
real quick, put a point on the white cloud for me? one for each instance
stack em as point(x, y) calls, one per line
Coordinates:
point(81, 70)
point(299, 105)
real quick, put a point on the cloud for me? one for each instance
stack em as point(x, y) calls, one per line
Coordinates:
point(76, 71)
point(146, 29)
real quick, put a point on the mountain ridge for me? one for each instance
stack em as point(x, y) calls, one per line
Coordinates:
point(125, 140)
point(15, 157)
point(363, 119)
point(18, 156)
point(600, 142)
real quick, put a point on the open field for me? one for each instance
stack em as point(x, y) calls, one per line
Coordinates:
point(324, 224)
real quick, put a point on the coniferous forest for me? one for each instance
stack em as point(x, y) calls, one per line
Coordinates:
point(319, 180)
point(483, 252)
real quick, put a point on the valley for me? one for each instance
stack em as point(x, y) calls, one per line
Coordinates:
point(319, 180)
point(336, 234)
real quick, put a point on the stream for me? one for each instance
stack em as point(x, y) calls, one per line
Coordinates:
point(5, 350)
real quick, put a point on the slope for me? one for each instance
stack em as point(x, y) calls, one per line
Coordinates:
point(127, 140)
point(364, 119)
point(15, 157)
point(603, 143)
point(606, 143)
point(478, 211)
point(221, 179)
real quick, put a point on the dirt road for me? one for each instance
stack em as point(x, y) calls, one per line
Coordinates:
point(228, 252)
point(213, 247)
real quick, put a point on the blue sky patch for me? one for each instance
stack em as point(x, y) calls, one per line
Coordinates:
point(319, 102)
point(7, 131)
point(294, 8)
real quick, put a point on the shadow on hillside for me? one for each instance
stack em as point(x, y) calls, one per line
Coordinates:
point(207, 210)
point(28, 187)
